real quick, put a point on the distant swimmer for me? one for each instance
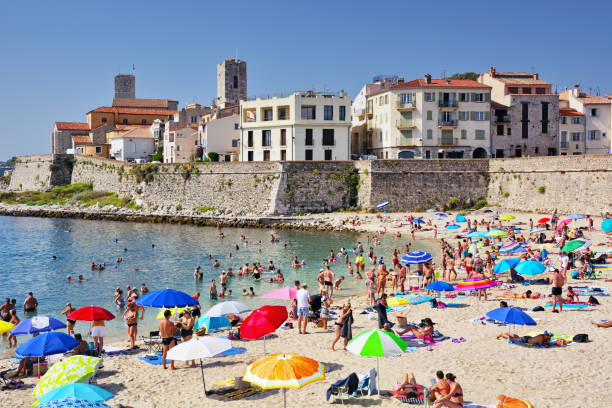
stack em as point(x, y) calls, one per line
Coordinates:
point(54, 257)
point(69, 279)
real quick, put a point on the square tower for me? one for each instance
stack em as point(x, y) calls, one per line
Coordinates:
point(125, 86)
point(231, 82)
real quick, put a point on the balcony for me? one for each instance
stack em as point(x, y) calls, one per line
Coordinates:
point(447, 124)
point(405, 106)
point(447, 105)
point(448, 141)
point(405, 124)
point(565, 145)
point(370, 128)
point(501, 119)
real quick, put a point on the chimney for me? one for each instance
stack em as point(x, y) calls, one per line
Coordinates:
point(400, 81)
point(342, 93)
point(492, 72)
point(576, 91)
point(427, 79)
point(536, 76)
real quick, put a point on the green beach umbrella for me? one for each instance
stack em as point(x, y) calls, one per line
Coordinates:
point(577, 244)
point(376, 343)
point(496, 233)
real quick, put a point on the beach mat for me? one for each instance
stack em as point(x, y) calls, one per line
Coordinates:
point(153, 360)
point(231, 389)
point(571, 305)
point(233, 351)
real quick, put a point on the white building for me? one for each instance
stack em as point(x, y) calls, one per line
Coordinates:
point(597, 120)
point(302, 126)
point(220, 133)
point(180, 145)
point(134, 144)
point(430, 118)
point(571, 129)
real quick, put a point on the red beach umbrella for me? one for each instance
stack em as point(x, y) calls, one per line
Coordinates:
point(543, 220)
point(262, 322)
point(90, 314)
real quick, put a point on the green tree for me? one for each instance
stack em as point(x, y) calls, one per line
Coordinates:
point(213, 156)
point(465, 75)
point(159, 155)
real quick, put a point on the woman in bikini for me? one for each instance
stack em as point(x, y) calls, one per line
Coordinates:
point(346, 310)
point(186, 323)
point(454, 398)
point(425, 333)
point(439, 389)
point(131, 318)
point(69, 322)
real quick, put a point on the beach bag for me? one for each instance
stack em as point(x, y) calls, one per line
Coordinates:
point(538, 309)
point(575, 275)
point(593, 301)
point(581, 338)
point(433, 303)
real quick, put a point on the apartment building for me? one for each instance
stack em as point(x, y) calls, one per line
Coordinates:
point(180, 145)
point(525, 119)
point(300, 126)
point(596, 120)
point(219, 132)
point(571, 131)
point(430, 118)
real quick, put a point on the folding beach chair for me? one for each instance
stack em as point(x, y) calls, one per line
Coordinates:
point(368, 381)
point(153, 342)
point(346, 387)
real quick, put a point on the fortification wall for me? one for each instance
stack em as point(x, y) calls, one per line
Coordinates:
point(32, 173)
point(566, 183)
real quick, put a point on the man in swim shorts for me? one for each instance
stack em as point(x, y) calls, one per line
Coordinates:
point(557, 291)
point(166, 331)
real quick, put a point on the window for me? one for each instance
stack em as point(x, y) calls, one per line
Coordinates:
point(576, 120)
point(235, 81)
point(342, 112)
point(266, 137)
point(463, 134)
point(509, 131)
point(125, 121)
point(328, 137)
point(464, 97)
point(540, 91)
point(500, 130)
point(328, 154)
point(250, 141)
point(544, 117)
point(308, 154)
point(430, 96)
point(479, 116)
point(283, 141)
point(478, 97)
point(429, 134)
point(143, 122)
point(429, 115)
point(386, 99)
point(308, 141)
point(406, 98)
point(283, 155)
point(463, 116)
point(103, 120)
point(563, 120)
point(235, 126)
point(266, 155)
point(179, 148)
point(513, 90)
point(594, 135)
point(328, 112)
point(98, 149)
point(267, 114)
point(282, 114)
point(196, 143)
point(537, 150)
point(234, 142)
point(308, 112)
point(228, 158)
point(499, 153)
point(594, 112)
point(480, 135)
point(250, 155)
point(527, 91)
point(194, 119)
point(427, 154)
point(524, 120)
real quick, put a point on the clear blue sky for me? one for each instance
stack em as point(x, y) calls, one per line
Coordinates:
point(58, 58)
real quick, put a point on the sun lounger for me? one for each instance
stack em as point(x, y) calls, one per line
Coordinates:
point(346, 386)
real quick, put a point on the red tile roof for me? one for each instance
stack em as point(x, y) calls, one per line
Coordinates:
point(136, 133)
point(141, 103)
point(441, 83)
point(129, 127)
point(134, 111)
point(570, 112)
point(71, 126)
point(81, 139)
point(585, 98)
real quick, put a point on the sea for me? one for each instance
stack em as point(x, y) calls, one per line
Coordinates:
point(160, 256)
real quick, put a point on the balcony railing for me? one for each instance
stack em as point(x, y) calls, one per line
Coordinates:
point(249, 119)
point(501, 119)
point(447, 123)
point(450, 141)
point(447, 104)
point(564, 145)
point(405, 105)
point(404, 123)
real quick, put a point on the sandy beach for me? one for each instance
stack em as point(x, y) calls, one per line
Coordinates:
point(577, 375)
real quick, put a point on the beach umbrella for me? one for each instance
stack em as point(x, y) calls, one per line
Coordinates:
point(37, 324)
point(575, 216)
point(452, 226)
point(476, 234)
point(198, 348)
point(530, 268)
point(381, 205)
point(70, 402)
point(173, 311)
point(418, 221)
point(70, 370)
point(460, 218)
point(46, 344)
point(507, 217)
point(285, 293)
point(231, 307)
point(576, 245)
point(376, 343)
point(535, 230)
point(90, 314)
point(284, 370)
point(5, 326)
point(440, 286)
point(418, 257)
point(511, 315)
point(166, 298)
point(262, 322)
point(212, 322)
point(496, 233)
point(543, 220)
point(441, 215)
point(397, 301)
point(563, 223)
point(606, 225)
point(506, 264)
point(508, 248)
point(431, 210)
point(475, 284)
point(77, 390)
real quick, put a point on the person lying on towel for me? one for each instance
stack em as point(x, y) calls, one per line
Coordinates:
point(542, 340)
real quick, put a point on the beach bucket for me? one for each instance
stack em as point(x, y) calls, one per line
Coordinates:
point(402, 321)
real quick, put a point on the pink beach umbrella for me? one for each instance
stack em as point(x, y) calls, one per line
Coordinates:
point(286, 293)
point(563, 223)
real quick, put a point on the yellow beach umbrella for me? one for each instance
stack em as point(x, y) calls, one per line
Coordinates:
point(5, 326)
point(68, 371)
point(173, 311)
point(507, 217)
point(284, 370)
point(397, 301)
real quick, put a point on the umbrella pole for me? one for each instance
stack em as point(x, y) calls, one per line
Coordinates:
point(265, 344)
point(284, 397)
point(203, 381)
point(378, 377)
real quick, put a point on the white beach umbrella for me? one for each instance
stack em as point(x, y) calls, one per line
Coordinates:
point(227, 308)
point(199, 348)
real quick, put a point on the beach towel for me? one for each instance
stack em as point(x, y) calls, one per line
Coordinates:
point(571, 305)
point(419, 399)
point(233, 351)
point(420, 299)
point(232, 389)
point(351, 382)
point(155, 359)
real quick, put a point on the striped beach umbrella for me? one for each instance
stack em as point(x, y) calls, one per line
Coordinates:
point(71, 370)
point(418, 257)
point(475, 284)
point(381, 205)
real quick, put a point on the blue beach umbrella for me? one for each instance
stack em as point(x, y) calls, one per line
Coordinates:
point(46, 344)
point(441, 215)
point(509, 248)
point(71, 402)
point(383, 204)
point(212, 323)
point(77, 390)
point(460, 218)
point(506, 265)
point(477, 234)
point(418, 257)
point(575, 216)
point(440, 286)
point(37, 324)
point(530, 268)
point(418, 220)
point(452, 226)
point(606, 225)
point(166, 298)
point(511, 315)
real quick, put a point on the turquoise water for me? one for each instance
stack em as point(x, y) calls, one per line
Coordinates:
point(28, 244)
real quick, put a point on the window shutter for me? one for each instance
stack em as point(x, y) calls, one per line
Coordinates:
point(414, 98)
point(463, 134)
point(487, 97)
point(433, 96)
point(454, 96)
point(440, 95)
point(454, 115)
point(486, 115)
point(472, 114)
point(473, 97)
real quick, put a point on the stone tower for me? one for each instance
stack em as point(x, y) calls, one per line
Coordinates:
point(125, 86)
point(231, 82)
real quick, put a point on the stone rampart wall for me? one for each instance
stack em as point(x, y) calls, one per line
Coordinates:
point(32, 172)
